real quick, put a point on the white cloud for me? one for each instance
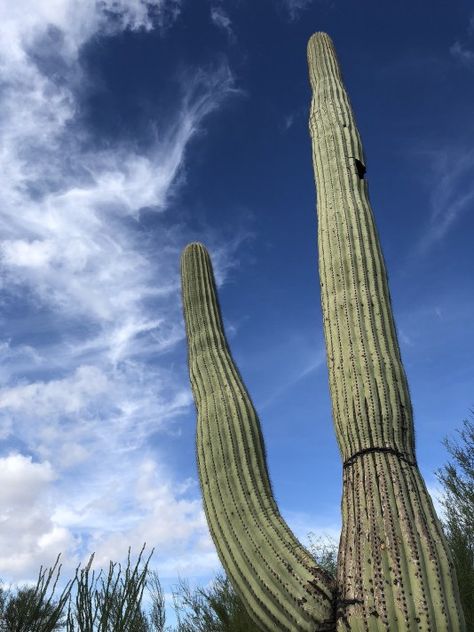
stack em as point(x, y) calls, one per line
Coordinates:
point(75, 420)
point(107, 513)
point(452, 192)
point(28, 534)
point(462, 54)
point(96, 298)
point(162, 515)
point(289, 120)
point(71, 246)
point(294, 8)
point(220, 18)
point(57, 397)
point(22, 480)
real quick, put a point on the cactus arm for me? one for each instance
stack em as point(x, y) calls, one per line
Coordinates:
point(394, 567)
point(279, 582)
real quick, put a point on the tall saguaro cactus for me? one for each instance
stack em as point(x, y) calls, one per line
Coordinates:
point(394, 568)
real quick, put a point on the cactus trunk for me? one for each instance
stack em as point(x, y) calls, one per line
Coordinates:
point(394, 568)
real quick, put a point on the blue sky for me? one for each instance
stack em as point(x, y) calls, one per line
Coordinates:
point(129, 129)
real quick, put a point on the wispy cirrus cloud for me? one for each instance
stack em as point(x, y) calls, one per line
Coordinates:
point(221, 19)
point(311, 366)
point(294, 8)
point(461, 52)
point(452, 195)
point(91, 298)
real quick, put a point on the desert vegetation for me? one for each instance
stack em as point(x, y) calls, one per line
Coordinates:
point(113, 602)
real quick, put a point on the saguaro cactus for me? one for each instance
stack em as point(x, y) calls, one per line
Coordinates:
point(394, 568)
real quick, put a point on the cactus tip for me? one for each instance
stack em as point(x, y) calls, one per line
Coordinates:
point(193, 248)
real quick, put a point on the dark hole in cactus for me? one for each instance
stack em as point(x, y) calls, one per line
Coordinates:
point(360, 168)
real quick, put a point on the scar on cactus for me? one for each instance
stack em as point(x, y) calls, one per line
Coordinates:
point(394, 568)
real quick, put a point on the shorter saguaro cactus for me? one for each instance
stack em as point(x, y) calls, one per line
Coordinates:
point(394, 568)
point(274, 574)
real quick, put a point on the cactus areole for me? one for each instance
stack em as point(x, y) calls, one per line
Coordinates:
point(394, 572)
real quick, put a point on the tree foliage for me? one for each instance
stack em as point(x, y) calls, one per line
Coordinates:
point(30, 609)
point(324, 549)
point(218, 609)
point(103, 605)
point(457, 477)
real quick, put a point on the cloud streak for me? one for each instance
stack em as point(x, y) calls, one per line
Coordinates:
point(220, 18)
point(462, 54)
point(92, 300)
point(452, 194)
point(294, 8)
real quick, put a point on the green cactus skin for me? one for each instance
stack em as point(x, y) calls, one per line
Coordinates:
point(272, 572)
point(394, 568)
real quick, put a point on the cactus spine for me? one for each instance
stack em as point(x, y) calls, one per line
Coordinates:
point(394, 569)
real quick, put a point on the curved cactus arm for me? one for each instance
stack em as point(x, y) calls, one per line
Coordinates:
point(279, 582)
point(394, 567)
